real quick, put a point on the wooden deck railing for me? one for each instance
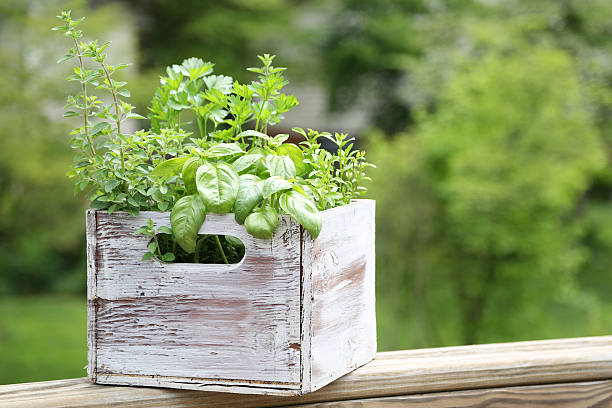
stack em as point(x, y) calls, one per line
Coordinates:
point(560, 373)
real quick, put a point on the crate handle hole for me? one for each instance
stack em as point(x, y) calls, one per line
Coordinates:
point(210, 249)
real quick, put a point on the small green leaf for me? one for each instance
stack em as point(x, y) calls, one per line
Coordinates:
point(281, 166)
point(221, 82)
point(248, 163)
point(143, 231)
point(189, 173)
point(262, 223)
point(273, 185)
point(303, 210)
point(224, 149)
point(297, 157)
point(169, 168)
point(218, 186)
point(123, 92)
point(152, 247)
point(168, 257)
point(235, 242)
point(249, 195)
point(186, 218)
point(164, 230)
point(98, 127)
point(147, 256)
point(254, 133)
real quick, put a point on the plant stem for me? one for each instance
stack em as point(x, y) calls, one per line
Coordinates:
point(221, 249)
point(196, 255)
point(85, 113)
point(118, 120)
point(199, 120)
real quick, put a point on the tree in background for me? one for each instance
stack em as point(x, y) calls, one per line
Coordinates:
point(230, 33)
point(479, 209)
point(41, 222)
point(410, 58)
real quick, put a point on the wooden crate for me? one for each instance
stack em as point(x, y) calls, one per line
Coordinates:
point(292, 316)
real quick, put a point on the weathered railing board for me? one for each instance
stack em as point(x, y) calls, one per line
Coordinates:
point(397, 373)
point(569, 395)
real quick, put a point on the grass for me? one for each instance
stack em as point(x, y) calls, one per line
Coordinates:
point(42, 338)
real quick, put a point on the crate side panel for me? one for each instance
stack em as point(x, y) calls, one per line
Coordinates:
point(235, 322)
point(343, 299)
point(90, 228)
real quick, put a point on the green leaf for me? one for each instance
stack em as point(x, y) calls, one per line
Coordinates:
point(297, 157)
point(189, 173)
point(235, 242)
point(110, 185)
point(164, 230)
point(303, 210)
point(221, 82)
point(218, 186)
point(249, 195)
point(123, 92)
point(168, 257)
point(254, 133)
point(98, 127)
point(259, 150)
point(147, 256)
point(262, 223)
point(279, 139)
point(144, 230)
point(224, 149)
point(152, 247)
point(281, 166)
point(273, 185)
point(249, 163)
point(169, 168)
point(186, 218)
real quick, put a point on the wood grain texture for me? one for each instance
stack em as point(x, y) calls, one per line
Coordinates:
point(569, 395)
point(396, 373)
point(273, 323)
point(91, 225)
point(341, 263)
point(192, 325)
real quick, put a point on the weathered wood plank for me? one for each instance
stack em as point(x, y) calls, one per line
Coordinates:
point(568, 395)
point(192, 325)
point(390, 374)
point(342, 268)
point(91, 226)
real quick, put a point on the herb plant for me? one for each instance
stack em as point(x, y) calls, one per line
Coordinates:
point(231, 164)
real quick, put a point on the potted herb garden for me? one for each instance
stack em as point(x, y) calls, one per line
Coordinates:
point(225, 258)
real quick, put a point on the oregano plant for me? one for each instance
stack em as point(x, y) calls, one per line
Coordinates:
point(231, 164)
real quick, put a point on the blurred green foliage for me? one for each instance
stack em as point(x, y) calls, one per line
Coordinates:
point(490, 123)
point(42, 338)
point(478, 207)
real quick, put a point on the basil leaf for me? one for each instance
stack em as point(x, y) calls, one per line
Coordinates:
point(281, 166)
point(262, 223)
point(273, 185)
point(297, 157)
point(248, 163)
point(189, 173)
point(218, 186)
point(235, 242)
point(249, 195)
point(169, 168)
point(224, 149)
point(303, 210)
point(254, 133)
point(186, 219)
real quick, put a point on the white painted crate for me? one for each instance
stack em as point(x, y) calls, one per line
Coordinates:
point(292, 316)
